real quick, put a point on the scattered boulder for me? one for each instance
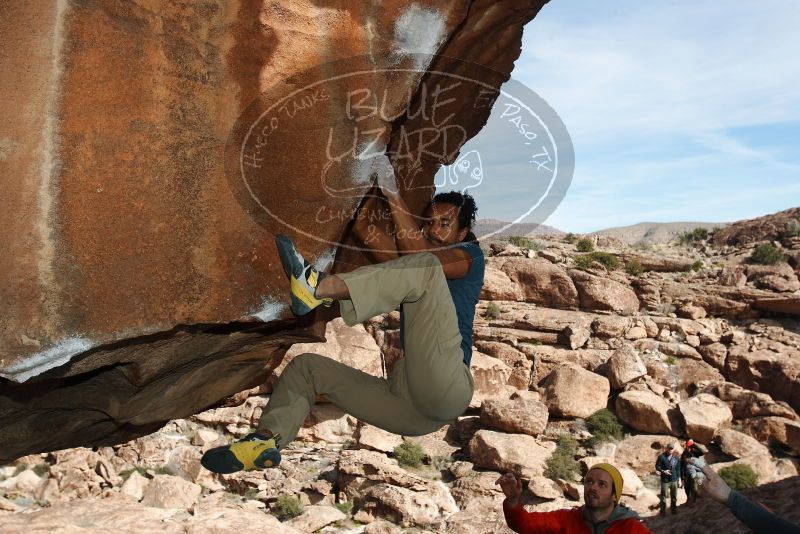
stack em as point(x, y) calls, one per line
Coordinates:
point(690, 311)
point(520, 365)
point(571, 391)
point(461, 469)
point(739, 445)
point(546, 359)
point(542, 283)
point(624, 366)
point(25, 482)
point(714, 354)
point(598, 293)
point(382, 526)
point(733, 276)
point(490, 376)
point(521, 454)
point(774, 369)
point(505, 249)
point(407, 507)
point(779, 277)
point(645, 411)
point(377, 439)
point(773, 430)
point(661, 264)
point(354, 466)
point(705, 415)
point(498, 286)
point(168, 491)
point(746, 404)
point(135, 485)
point(545, 488)
point(314, 518)
point(611, 325)
point(328, 423)
point(679, 350)
point(523, 413)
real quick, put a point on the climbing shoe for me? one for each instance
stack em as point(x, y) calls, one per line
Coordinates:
point(303, 278)
point(254, 451)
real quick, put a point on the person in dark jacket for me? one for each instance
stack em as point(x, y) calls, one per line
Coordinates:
point(668, 466)
point(602, 513)
point(689, 472)
point(755, 516)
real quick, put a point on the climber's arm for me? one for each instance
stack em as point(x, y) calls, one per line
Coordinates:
point(410, 237)
point(380, 244)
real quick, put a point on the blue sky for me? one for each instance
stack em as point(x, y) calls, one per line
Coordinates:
point(677, 110)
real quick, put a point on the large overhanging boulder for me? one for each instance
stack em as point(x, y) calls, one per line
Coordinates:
point(138, 280)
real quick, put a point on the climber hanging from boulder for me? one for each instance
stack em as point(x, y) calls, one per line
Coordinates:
point(435, 274)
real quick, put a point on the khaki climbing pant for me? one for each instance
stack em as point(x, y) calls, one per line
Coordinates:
point(427, 388)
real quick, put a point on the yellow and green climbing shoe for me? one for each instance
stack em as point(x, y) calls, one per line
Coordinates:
point(254, 451)
point(302, 275)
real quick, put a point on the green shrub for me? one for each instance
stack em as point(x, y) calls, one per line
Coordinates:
point(124, 474)
point(409, 453)
point(345, 507)
point(693, 236)
point(792, 228)
point(583, 262)
point(562, 464)
point(766, 254)
point(584, 245)
point(441, 463)
point(697, 265)
point(671, 360)
point(739, 476)
point(609, 261)
point(492, 311)
point(524, 242)
point(41, 469)
point(634, 268)
point(287, 507)
point(570, 238)
point(604, 426)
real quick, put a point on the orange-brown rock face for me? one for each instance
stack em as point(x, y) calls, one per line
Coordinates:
point(138, 282)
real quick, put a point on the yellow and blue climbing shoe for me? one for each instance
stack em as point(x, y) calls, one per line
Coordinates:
point(303, 277)
point(254, 451)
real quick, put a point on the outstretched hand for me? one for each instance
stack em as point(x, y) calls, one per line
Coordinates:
point(511, 486)
point(713, 486)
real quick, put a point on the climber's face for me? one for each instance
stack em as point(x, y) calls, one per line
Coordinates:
point(598, 489)
point(441, 225)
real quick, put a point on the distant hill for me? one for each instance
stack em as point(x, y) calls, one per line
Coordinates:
point(486, 226)
point(643, 233)
point(654, 233)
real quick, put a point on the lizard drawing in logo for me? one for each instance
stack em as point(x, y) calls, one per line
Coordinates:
point(466, 172)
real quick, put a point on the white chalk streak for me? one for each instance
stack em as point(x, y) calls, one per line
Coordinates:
point(57, 355)
point(324, 259)
point(51, 163)
point(269, 310)
point(419, 31)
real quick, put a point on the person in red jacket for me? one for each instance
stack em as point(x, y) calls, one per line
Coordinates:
point(602, 489)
